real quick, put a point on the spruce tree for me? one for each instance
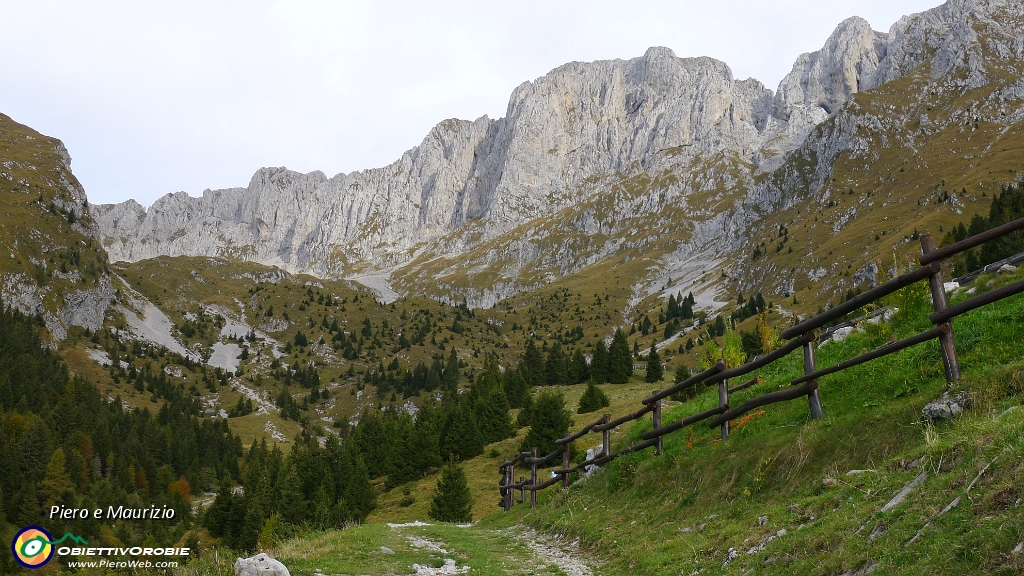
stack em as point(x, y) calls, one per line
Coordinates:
point(549, 421)
point(578, 370)
point(654, 368)
point(463, 438)
point(359, 494)
point(599, 363)
point(593, 399)
point(56, 484)
point(453, 501)
point(555, 367)
point(525, 413)
point(290, 501)
point(493, 416)
point(532, 364)
point(517, 391)
point(620, 359)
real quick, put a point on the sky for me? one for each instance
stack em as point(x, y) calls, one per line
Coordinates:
point(157, 97)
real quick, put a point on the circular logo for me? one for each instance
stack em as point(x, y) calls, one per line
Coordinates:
point(32, 547)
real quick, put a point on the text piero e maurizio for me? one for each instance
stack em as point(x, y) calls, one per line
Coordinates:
point(112, 513)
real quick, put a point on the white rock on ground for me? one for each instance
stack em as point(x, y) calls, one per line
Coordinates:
point(260, 565)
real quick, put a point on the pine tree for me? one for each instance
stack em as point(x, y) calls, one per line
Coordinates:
point(593, 399)
point(453, 501)
point(463, 438)
point(450, 380)
point(493, 418)
point(599, 363)
point(654, 368)
point(56, 485)
point(620, 359)
point(549, 421)
point(525, 413)
point(532, 365)
point(517, 391)
point(290, 501)
point(556, 370)
point(578, 371)
point(359, 495)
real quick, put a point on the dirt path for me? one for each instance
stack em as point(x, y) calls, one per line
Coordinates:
point(551, 551)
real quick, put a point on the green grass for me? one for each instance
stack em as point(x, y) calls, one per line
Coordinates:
point(683, 511)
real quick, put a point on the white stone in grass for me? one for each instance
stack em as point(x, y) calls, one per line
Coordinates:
point(260, 565)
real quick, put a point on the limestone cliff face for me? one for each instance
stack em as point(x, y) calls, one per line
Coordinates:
point(472, 182)
point(52, 264)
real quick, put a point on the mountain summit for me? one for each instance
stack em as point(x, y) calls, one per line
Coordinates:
point(484, 193)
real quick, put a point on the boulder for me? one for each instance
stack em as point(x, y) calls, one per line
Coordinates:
point(260, 565)
point(946, 407)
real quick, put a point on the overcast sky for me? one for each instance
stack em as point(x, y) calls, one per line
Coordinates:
point(153, 97)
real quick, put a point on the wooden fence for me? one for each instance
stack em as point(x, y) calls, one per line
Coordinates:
point(801, 336)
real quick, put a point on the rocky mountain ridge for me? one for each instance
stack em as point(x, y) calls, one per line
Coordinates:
point(472, 193)
point(51, 263)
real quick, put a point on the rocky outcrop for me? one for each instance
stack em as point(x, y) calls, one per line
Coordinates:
point(684, 120)
point(55, 268)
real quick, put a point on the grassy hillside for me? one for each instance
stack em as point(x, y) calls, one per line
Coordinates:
point(784, 495)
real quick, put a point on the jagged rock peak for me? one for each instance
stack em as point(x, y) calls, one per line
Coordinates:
point(471, 181)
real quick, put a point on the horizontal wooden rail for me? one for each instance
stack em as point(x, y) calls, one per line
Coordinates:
point(624, 451)
point(542, 485)
point(719, 367)
point(583, 432)
point(801, 335)
point(762, 361)
point(861, 299)
point(583, 464)
point(745, 385)
point(977, 302)
point(770, 398)
point(882, 350)
point(522, 456)
point(968, 243)
point(623, 419)
point(659, 432)
point(543, 459)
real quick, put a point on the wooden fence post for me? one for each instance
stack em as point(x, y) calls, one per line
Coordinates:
point(656, 420)
point(946, 341)
point(813, 398)
point(566, 449)
point(506, 492)
point(723, 402)
point(533, 480)
point(522, 491)
point(606, 438)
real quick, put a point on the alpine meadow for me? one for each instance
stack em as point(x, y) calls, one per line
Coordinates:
point(654, 320)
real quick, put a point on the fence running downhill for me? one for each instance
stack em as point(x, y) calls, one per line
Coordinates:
point(801, 336)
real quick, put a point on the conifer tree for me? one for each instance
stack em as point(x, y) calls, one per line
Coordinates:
point(578, 370)
point(517, 391)
point(556, 370)
point(359, 495)
point(56, 484)
point(599, 363)
point(532, 364)
point(654, 369)
point(620, 359)
point(463, 438)
point(593, 399)
point(452, 501)
point(549, 421)
point(525, 413)
point(493, 416)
